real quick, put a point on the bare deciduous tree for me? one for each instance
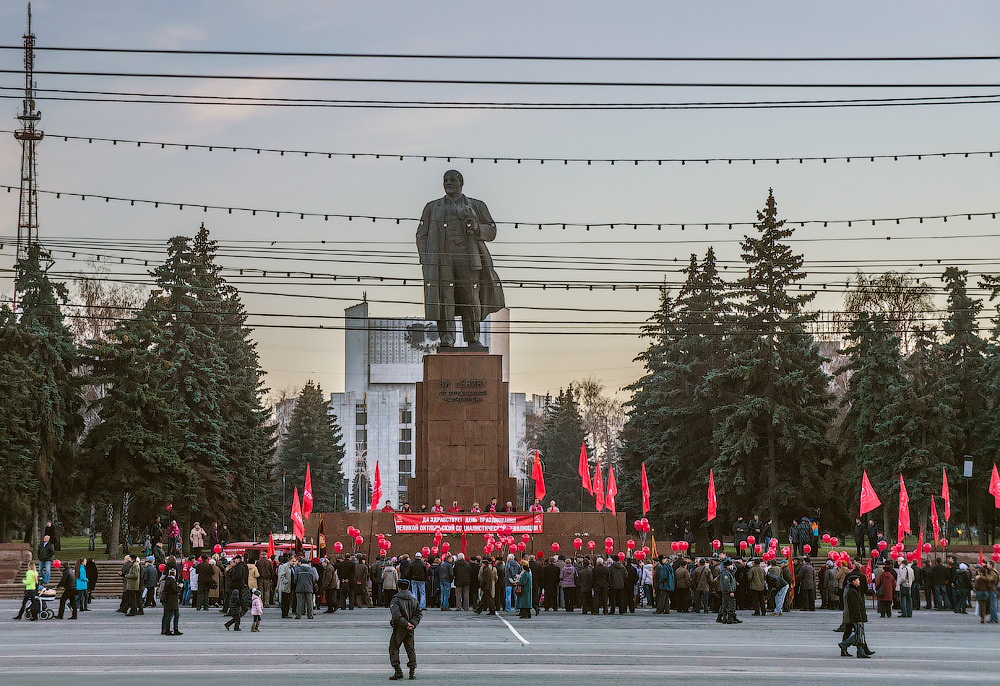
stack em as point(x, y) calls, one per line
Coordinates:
point(897, 296)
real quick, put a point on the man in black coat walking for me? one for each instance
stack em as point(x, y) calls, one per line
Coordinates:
point(856, 617)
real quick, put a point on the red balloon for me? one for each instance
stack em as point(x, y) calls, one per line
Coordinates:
point(833, 555)
point(608, 549)
point(434, 550)
point(217, 548)
point(162, 567)
point(834, 541)
point(751, 540)
point(358, 540)
point(774, 543)
point(673, 546)
point(826, 538)
point(894, 555)
point(644, 521)
point(944, 542)
point(577, 543)
point(621, 557)
point(927, 547)
point(716, 544)
point(609, 541)
point(758, 549)
point(446, 546)
point(591, 545)
point(996, 547)
point(555, 547)
point(637, 524)
point(487, 549)
point(351, 531)
point(57, 563)
point(807, 548)
point(874, 554)
point(645, 549)
point(995, 556)
point(640, 556)
point(882, 545)
point(427, 551)
point(380, 536)
point(388, 544)
point(646, 527)
point(784, 552)
point(338, 546)
point(630, 544)
point(525, 537)
point(169, 507)
point(743, 545)
point(521, 546)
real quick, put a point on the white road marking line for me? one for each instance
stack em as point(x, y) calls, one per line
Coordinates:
point(513, 630)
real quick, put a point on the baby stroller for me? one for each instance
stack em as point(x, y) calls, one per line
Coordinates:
point(40, 604)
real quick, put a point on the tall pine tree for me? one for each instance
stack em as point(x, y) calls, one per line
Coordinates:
point(134, 448)
point(671, 423)
point(772, 430)
point(313, 438)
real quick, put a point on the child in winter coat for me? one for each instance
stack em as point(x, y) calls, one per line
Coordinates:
point(235, 610)
point(256, 610)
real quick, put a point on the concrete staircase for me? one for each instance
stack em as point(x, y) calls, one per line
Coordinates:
point(109, 584)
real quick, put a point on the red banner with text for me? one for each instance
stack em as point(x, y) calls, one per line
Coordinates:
point(486, 523)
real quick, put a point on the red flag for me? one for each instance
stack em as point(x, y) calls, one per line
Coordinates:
point(307, 495)
point(980, 557)
point(869, 501)
point(321, 537)
point(464, 543)
point(584, 469)
point(920, 548)
point(538, 477)
point(612, 489)
point(934, 522)
point(712, 505)
point(791, 570)
point(868, 572)
point(903, 526)
point(995, 485)
point(598, 486)
point(944, 494)
point(298, 526)
point(645, 491)
point(376, 488)
point(270, 546)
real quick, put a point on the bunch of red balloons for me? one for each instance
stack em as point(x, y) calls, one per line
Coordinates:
point(642, 525)
point(383, 543)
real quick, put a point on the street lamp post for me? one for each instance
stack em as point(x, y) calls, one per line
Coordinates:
point(967, 473)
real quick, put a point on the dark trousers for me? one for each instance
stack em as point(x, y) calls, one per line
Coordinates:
point(758, 598)
point(569, 594)
point(402, 637)
point(234, 622)
point(466, 290)
point(587, 600)
point(601, 600)
point(26, 601)
point(552, 598)
point(377, 595)
point(169, 616)
point(663, 602)
point(618, 600)
point(134, 604)
point(331, 599)
point(346, 595)
point(808, 599)
point(286, 602)
point(67, 597)
point(485, 603)
point(682, 599)
point(202, 602)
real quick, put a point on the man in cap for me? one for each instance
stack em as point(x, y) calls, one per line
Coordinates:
point(406, 615)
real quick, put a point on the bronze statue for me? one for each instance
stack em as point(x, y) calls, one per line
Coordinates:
point(458, 271)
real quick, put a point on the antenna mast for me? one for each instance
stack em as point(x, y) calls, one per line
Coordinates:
point(29, 136)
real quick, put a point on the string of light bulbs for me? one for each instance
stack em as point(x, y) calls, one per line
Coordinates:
point(496, 159)
point(515, 224)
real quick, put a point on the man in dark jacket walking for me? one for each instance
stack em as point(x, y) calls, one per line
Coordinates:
point(170, 597)
point(855, 616)
point(463, 582)
point(345, 570)
point(617, 574)
point(406, 615)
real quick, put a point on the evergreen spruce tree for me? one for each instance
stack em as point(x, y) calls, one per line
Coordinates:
point(916, 431)
point(772, 430)
point(188, 297)
point(247, 437)
point(964, 352)
point(54, 422)
point(991, 376)
point(313, 438)
point(559, 449)
point(671, 423)
point(133, 449)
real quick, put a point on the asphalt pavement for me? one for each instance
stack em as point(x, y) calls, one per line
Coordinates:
point(104, 647)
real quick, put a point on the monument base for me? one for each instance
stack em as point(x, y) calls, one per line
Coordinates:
point(461, 426)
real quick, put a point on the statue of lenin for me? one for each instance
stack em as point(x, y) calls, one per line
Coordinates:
point(459, 278)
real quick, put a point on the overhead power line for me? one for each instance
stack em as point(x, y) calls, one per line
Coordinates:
point(501, 82)
point(873, 221)
point(635, 161)
point(532, 58)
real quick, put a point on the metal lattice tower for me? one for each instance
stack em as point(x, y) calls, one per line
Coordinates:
point(29, 136)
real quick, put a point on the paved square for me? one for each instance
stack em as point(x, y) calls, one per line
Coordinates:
point(104, 647)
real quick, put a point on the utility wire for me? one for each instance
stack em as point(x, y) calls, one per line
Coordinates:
point(497, 82)
point(532, 58)
point(516, 224)
point(635, 161)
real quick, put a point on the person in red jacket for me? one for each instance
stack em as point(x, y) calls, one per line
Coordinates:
point(388, 507)
point(885, 586)
point(454, 507)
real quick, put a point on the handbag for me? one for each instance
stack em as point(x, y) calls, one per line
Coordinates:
point(518, 590)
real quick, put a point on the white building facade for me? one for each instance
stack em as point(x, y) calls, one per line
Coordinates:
point(376, 414)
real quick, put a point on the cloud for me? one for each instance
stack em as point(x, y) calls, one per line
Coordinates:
point(176, 36)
